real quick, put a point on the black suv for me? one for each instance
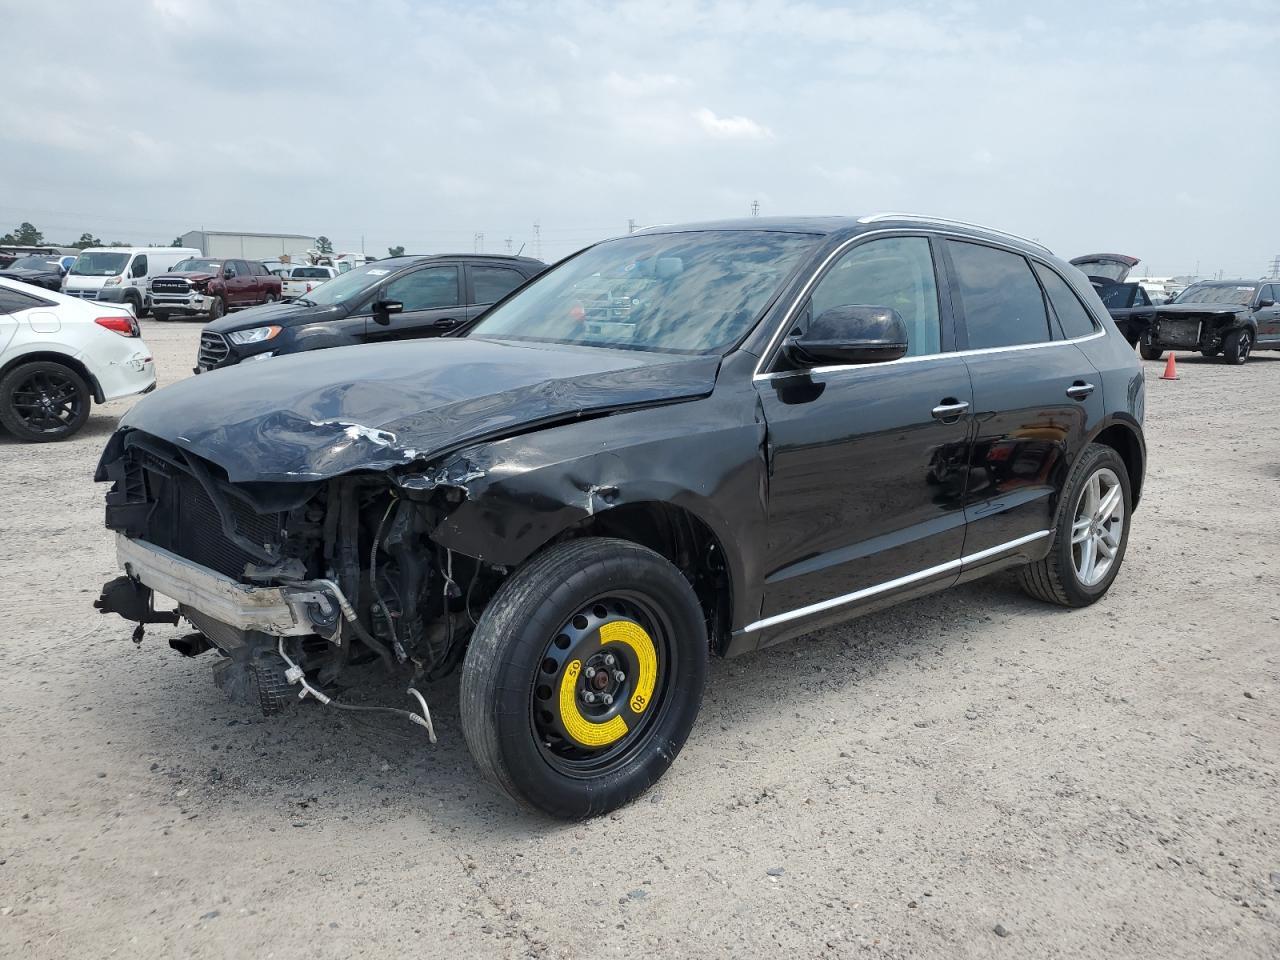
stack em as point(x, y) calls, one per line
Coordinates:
point(1231, 318)
point(692, 440)
point(400, 298)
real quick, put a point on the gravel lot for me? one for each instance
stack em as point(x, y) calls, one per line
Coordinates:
point(972, 775)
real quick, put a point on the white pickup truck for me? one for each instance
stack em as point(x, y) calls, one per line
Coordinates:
point(300, 279)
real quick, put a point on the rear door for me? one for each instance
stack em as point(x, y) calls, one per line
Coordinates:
point(1035, 394)
point(487, 284)
point(1268, 317)
point(432, 299)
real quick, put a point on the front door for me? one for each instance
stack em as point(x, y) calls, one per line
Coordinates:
point(432, 299)
point(866, 462)
point(1035, 393)
point(1268, 317)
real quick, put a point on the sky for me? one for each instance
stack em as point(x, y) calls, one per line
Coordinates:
point(1151, 129)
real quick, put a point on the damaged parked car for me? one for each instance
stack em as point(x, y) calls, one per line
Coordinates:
point(1126, 301)
point(1227, 318)
point(691, 441)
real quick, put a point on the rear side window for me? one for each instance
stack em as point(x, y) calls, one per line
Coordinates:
point(257, 269)
point(11, 301)
point(493, 283)
point(1072, 314)
point(1003, 305)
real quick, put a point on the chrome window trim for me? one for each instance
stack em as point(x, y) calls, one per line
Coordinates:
point(888, 585)
point(802, 296)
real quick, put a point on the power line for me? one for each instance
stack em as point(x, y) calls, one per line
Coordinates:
point(537, 240)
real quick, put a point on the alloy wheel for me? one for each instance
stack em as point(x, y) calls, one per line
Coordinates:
point(1098, 528)
point(47, 402)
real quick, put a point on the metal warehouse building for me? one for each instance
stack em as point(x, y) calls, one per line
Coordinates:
point(249, 246)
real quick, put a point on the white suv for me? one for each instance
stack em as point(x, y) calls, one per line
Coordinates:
point(59, 353)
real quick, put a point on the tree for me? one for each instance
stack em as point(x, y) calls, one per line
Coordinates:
point(26, 235)
point(324, 245)
point(177, 242)
point(86, 240)
point(395, 251)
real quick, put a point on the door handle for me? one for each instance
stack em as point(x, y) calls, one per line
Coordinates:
point(949, 410)
point(1079, 390)
point(445, 323)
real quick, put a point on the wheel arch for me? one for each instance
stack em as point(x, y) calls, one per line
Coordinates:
point(65, 359)
point(1126, 440)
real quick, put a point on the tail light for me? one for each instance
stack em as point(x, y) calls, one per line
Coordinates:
point(125, 326)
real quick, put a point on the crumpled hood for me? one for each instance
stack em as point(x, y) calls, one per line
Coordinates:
point(195, 276)
point(311, 416)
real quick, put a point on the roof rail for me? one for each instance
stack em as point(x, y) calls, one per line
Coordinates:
point(876, 217)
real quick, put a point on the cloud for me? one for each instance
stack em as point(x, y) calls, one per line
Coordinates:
point(731, 128)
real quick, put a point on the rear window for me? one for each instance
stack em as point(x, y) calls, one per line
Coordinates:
point(310, 273)
point(1003, 305)
point(1072, 314)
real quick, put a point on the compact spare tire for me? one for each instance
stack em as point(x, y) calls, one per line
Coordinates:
point(1147, 350)
point(1090, 533)
point(43, 401)
point(584, 676)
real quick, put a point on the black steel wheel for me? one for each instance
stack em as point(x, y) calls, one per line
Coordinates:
point(584, 677)
point(1148, 350)
point(43, 401)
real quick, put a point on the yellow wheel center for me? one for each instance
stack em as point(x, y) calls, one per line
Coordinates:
point(587, 732)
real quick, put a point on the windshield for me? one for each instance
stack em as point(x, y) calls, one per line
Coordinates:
point(1238, 293)
point(34, 263)
point(99, 264)
point(675, 292)
point(348, 286)
point(197, 266)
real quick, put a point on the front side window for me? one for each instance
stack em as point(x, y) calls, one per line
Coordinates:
point(1072, 314)
point(493, 283)
point(698, 291)
point(428, 289)
point(139, 266)
point(894, 272)
point(231, 270)
point(1003, 306)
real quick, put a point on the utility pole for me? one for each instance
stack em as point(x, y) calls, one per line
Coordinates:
point(362, 244)
point(479, 243)
point(755, 208)
point(537, 240)
point(631, 225)
point(508, 243)
point(1275, 267)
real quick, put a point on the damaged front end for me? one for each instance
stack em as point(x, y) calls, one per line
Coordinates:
point(315, 576)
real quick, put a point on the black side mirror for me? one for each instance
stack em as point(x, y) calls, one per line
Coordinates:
point(383, 309)
point(227, 275)
point(1266, 303)
point(858, 333)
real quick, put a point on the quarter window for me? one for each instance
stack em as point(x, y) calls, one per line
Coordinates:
point(1003, 305)
point(1072, 314)
point(11, 301)
point(894, 272)
point(493, 283)
point(426, 289)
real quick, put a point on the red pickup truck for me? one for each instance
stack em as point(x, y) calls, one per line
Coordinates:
point(209, 288)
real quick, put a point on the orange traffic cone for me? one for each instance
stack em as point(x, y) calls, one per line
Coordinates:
point(1170, 370)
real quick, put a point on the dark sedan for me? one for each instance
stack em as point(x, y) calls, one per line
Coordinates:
point(46, 272)
point(692, 440)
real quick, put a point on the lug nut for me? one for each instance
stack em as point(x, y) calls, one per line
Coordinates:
point(589, 697)
point(608, 699)
point(619, 676)
point(609, 659)
point(590, 672)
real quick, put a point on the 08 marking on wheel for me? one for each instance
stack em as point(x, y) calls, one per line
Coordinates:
point(575, 724)
point(634, 636)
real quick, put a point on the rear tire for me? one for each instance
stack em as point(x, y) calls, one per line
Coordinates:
point(1148, 350)
point(160, 315)
point(1064, 577)
point(536, 725)
point(43, 401)
point(1236, 346)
